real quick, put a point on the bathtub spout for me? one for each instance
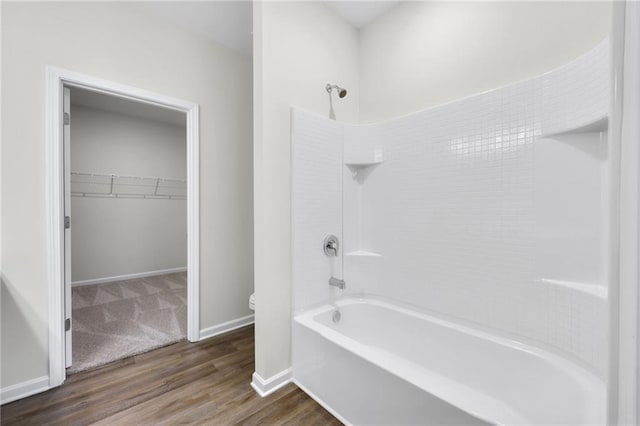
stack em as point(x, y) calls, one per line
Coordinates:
point(337, 283)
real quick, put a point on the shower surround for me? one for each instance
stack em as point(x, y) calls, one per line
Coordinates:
point(487, 213)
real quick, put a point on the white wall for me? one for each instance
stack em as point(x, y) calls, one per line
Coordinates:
point(119, 236)
point(624, 383)
point(117, 42)
point(298, 48)
point(424, 53)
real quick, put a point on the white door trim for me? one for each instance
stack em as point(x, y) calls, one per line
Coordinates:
point(66, 211)
point(56, 79)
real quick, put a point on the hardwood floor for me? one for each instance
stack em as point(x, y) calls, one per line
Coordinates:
point(184, 383)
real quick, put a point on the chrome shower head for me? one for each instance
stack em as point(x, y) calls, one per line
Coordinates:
point(341, 91)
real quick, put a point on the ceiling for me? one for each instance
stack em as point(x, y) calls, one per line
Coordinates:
point(100, 101)
point(226, 22)
point(230, 22)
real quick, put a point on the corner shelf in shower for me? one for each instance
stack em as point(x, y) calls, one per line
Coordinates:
point(362, 253)
point(357, 167)
point(596, 125)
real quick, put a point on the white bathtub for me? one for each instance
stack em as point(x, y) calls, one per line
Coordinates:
point(384, 364)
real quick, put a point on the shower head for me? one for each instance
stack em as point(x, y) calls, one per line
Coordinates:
point(341, 91)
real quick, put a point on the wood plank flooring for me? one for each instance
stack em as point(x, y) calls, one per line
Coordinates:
point(186, 383)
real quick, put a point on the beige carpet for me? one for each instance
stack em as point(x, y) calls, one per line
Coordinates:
point(119, 319)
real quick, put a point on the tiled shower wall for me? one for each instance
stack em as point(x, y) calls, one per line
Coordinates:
point(480, 212)
point(490, 209)
point(316, 204)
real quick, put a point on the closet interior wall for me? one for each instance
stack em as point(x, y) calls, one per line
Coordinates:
point(135, 231)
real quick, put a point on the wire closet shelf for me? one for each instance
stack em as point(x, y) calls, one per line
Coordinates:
point(100, 185)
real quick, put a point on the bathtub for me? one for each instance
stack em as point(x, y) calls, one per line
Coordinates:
point(385, 364)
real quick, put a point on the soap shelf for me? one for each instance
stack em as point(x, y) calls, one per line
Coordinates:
point(362, 165)
point(597, 125)
point(356, 168)
point(362, 253)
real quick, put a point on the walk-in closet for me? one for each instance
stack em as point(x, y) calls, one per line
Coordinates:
point(128, 222)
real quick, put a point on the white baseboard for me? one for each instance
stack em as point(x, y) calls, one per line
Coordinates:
point(24, 389)
point(265, 387)
point(128, 276)
point(226, 326)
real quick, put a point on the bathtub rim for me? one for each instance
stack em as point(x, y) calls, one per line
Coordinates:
point(474, 326)
point(445, 388)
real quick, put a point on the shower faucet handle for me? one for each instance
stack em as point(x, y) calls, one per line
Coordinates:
point(331, 245)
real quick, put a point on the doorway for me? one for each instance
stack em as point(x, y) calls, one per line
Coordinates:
point(126, 204)
point(61, 83)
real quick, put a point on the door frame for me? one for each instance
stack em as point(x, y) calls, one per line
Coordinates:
point(57, 78)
